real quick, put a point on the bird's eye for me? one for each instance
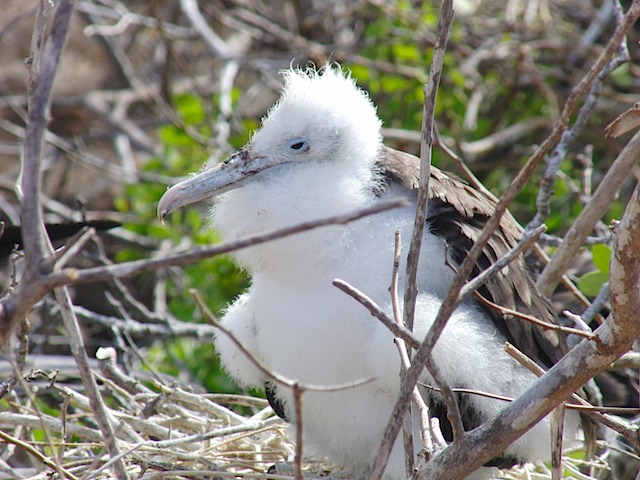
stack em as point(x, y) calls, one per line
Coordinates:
point(299, 145)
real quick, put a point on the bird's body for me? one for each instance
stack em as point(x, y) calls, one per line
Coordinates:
point(319, 153)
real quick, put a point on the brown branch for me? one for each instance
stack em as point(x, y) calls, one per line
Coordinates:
point(528, 239)
point(76, 344)
point(604, 195)
point(596, 412)
point(476, 445)
point(264, 369)
point(297, 402)
point(216, 44)
point(404, 352)
point(534, 320)
point(26, 294)
point(411, 277)
point(399, 331)
point(36, 454)
point(426, 149)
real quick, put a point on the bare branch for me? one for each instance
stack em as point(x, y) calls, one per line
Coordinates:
point(537, 321)
point(528, 238)
point(26, 294)
point(606, 193)
point(270, 374)
point(216, 44)
point(426, 146)
point(76, 343)
point(566, 142)
point(411, 286)
point(8, 439)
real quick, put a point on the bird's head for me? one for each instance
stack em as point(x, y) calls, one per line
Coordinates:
point(320, 117)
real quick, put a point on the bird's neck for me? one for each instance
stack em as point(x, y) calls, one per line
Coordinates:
point(286, 197)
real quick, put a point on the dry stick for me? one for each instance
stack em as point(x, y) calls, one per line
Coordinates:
point(510, 349)
point(405, 335)
point(411, 285)
point(75, 245)
point(21, 378)
point(421, 406)
point(37, 454)
point(597, 413)
point(38, 249)
point(450, 302)
point(20, 301)
point(532, 319)
point(556, 420)
point(528, 239)
point(297, 403)
point(270, 374)
point(216, 44)
point(399, 331)
point(42, 65)
point(477, 184)
point(606, 193)
point(559, 153)
point(403, 351)
point(426, 146)
point(76, 343)
point(566, 281)
point(411, 275)
point(73, 276)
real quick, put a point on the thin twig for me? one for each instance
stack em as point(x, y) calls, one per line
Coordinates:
point(606, 193)
point(426, 147)
point(528, 239)
point(217, 45)
point(126, 269)
point(595, 412)
point(26, 294)
point(265, 370)
point(403, 351)
point(78, 350)
point(559, 153)
point(297, 405)
point(411, 276)
point(36, 454)
point(399, 331)
point(529, 318)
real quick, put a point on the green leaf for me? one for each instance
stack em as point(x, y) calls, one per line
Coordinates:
point(601, 257)
point(590, 283)
point(408, 53)
point(171, 135)
point(190, 108)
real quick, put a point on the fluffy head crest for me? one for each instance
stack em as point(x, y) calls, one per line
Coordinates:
point(327, 103)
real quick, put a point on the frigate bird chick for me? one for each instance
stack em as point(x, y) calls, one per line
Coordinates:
point(318, 153)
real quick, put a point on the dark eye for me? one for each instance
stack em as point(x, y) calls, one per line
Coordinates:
point(299, 144)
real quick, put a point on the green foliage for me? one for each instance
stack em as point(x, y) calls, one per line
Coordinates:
point(591, 282)
point(217, 279)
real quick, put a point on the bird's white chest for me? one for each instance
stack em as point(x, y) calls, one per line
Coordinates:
point(307, 329)
point(312, 333)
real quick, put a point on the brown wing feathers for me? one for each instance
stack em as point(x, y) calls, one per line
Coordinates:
point(457, 213)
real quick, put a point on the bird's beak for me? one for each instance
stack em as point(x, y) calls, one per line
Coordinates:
point(219, 179)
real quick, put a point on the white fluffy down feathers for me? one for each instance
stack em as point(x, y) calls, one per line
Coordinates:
point(302, 327)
